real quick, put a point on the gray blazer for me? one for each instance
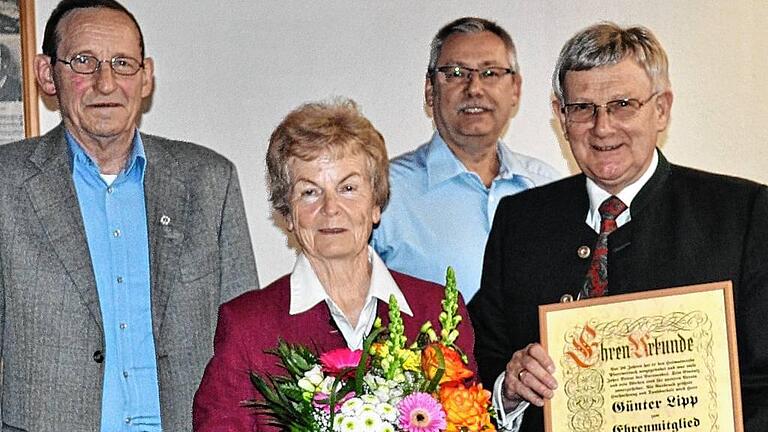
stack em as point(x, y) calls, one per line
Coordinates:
point(50, 321)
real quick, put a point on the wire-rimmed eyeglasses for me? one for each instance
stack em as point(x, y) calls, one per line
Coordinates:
point(456, 74)
point(619, 109)
point(87, 64)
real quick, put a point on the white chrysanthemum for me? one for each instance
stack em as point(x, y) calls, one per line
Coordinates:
point(385, 427)
point(351, 406)
point(369, 421)
point(366, 407)
point(369, 399)
point(387, 412)
point(350, 424)
point(337, 422)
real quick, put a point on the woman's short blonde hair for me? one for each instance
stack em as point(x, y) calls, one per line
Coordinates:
point(337, 128)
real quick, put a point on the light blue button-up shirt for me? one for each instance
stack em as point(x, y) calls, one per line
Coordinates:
point(115, 221)
point(440, 214)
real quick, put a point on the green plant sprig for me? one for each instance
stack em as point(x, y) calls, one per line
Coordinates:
point(449, 317)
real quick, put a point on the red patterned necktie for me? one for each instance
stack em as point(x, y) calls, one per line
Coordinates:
point(597, 276)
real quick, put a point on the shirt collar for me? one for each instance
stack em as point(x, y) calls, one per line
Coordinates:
point(443, 165)
point(307, 291)
point(597, 194)
point(137, 160)
point(511, 166)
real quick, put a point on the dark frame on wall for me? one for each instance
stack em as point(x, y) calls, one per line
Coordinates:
point(19, 98)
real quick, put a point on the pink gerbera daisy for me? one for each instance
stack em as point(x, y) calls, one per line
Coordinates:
point(420, 412)
point(338, 360)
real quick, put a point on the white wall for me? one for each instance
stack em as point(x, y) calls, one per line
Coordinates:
point(226, 75)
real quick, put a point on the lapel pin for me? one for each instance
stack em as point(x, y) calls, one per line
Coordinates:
point(165, 220)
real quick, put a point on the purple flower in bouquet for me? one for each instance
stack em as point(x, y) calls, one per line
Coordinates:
point(420, 412)
point(340, 361)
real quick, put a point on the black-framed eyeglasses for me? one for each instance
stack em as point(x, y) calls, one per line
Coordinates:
point(87, 64)
point(619, 109)
point(457, 74)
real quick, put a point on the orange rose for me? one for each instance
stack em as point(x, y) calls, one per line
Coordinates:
point(455, 370)
point(466, 408)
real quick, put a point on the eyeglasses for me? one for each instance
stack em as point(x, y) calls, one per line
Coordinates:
point(456, 74)
point(88, 64)
point(620, 109)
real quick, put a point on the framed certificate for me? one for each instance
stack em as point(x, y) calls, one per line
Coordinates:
point(661, 360)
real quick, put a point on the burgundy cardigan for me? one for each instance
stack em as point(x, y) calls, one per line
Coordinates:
point(251, 323)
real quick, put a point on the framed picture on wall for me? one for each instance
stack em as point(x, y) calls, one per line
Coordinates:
point(18, 89)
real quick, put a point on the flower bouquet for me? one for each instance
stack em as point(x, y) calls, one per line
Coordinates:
point(390, 385)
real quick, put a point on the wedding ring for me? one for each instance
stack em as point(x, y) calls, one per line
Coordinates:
point(520, 375)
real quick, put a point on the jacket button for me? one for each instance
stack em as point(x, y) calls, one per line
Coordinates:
point(583, 252)
point(98, 356)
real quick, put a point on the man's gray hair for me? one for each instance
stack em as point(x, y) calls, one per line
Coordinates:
point(470, 25)
point(606, 44)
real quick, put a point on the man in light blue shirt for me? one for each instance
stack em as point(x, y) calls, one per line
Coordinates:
point(115, 221)
point(445, 193)
point(116, 247)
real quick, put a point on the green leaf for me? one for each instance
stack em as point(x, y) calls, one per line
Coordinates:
point(360, 372)
point(435, 381)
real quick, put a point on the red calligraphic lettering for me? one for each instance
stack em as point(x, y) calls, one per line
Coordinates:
point(637, 344)
point(584, 348)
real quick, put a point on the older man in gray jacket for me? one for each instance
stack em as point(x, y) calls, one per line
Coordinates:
point(116, 247)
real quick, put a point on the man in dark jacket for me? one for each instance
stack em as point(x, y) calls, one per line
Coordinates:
point(671, 226)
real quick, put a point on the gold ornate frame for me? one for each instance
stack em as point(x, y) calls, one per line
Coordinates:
point(27, 26)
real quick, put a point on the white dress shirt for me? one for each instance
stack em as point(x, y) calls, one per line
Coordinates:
point(307, 291)
point(597, 195)
point(511, 421)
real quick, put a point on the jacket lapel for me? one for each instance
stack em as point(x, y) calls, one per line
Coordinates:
point(166, 199)
point(574, 266)
point(629, 267)
point(55, 203)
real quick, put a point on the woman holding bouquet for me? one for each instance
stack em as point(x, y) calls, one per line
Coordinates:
point(328, 176)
